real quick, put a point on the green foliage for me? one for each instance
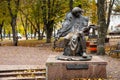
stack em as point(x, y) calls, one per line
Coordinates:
point(93, 11)
point(90, 9)
point(36, 11)
point(57, 9)
point(4, 14)
point(4, 17)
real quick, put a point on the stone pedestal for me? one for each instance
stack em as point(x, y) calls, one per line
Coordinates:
point(67, 70)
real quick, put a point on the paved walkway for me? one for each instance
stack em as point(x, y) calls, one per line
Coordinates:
point(29, 57)
point(10, 55)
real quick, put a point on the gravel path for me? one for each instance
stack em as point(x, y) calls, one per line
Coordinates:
point(113, 67)
point(10, 55)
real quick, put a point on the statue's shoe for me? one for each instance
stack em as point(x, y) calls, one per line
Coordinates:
point(84, 55)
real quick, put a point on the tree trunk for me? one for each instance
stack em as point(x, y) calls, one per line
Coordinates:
point(101, 28)
point(35, 33)
point(42, 35)
point(15, 38)
point(71, 5)
point(25, 27)
point(103, 22)
point(9, 35)
point(26, 34)
point(4, 33)
point(28, 19)
point(38, 28)
point(38, 31)
point(31, 31)
point(47, 19)
point(109, 12)
point(49, 31)
point(1, 26)
point(49, 34)
point(13, 19)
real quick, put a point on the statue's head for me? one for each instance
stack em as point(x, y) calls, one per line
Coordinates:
point(76, 11)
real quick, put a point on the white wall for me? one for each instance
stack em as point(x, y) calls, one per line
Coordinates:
point(114, 21)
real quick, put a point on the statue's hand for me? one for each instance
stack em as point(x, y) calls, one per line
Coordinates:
point(80, 32)
point(57, 37)
point(85, 28)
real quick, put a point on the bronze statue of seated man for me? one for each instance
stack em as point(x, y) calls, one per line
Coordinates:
point(72, 30)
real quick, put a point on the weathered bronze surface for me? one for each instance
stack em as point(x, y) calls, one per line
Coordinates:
point(73, 30)
point(73, 58)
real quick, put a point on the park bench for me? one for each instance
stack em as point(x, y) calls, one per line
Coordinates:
point(115, 49)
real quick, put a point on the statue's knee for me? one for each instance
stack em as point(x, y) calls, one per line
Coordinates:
point(66, 41)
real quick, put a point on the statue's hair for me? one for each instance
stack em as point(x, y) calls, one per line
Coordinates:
point(76, 9)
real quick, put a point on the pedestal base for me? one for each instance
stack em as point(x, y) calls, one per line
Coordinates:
point(67, 70)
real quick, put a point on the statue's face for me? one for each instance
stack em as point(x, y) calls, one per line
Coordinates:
point(77, 14)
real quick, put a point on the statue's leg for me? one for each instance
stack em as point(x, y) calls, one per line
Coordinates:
point(67, 50)
point(83, 44)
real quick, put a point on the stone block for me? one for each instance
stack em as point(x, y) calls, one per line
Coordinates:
point(67, 70)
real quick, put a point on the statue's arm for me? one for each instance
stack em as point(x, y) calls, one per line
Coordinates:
point(85, 24)
point(65, 27)
point(63, 31)
point(86, 20)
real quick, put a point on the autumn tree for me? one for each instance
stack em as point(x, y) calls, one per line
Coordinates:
point(103, 23)
point(13, 6)
point(1, 26)
point(4, 19)
point(37, 14)
point(2, 16)
point(70, 4)
point(93, 12)
point(28, 16)
point(52, 11)
point(25, 25)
